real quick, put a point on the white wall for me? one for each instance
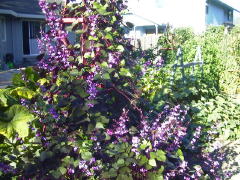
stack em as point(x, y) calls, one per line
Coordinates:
point(179, 13)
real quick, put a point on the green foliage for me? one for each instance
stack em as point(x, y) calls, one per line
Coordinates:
point(88, 110)
point(220, 116)
point(15, 120)
point(27, 78)
point(220, 52)
point(23, 92)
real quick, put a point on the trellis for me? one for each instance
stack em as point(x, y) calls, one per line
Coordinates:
point(179, 63)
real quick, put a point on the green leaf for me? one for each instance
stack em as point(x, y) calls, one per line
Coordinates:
point(113, 19)
point(87, 55)
point(86, 155)
point(145, 144)
point(31, 74)
point(109, 174)
point(76, 163)
point(77, 46)
point(160, 170)
point(56, 174)
point(179, 153)
point(17, 118)
point(120, 48)
point(154, 176)
point(161, 155)
point(45, 155)
point(124, 177)
point(79, 90)
point(62, 170)
point(109, 36)
point(122, 63)
point(100, 8)
point(125, 170)
point(92, 38)
point(99, 125)
point(23, 92)
point(3, 98)
point(106, 76)
point(59, 81)
point(108, 29)
point(17, 80)
point(152, 155)
point(104, 65)
point(143, 160)
point(125, 72)
point(152, 162)
point(120, 162)
point(42, 81)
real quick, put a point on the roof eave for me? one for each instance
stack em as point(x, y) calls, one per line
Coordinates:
point(21, 15)
point(224, 4)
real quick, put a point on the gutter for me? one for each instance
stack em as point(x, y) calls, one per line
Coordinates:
point(224, 4)
point(21, 15)
point(144, 18)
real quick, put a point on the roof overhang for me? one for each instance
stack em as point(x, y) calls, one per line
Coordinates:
point(21, 15)
point(138, 20)
point(223, 4)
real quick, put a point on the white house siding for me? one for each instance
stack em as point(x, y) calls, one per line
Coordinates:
point(217, 15)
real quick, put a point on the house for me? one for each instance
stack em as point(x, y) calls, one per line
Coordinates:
point(218, 13)
point(185, 13)
point(20, 23)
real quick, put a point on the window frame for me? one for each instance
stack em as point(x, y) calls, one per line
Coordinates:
point(32, 34)
point(230, 15)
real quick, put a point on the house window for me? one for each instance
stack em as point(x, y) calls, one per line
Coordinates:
point(2, 29)
point(34, 28)
point(31, 32)
point(150, 31)
point(230, 15)
point(206, 8)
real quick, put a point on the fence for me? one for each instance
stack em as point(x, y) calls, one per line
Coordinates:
point(179, 63)
point(145, 42)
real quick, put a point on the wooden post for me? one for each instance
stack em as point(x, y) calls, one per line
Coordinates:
point(180, 57)
point(72, 20)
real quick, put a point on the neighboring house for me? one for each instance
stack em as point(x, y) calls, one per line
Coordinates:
point(196, 14)
point(218, 13)
point(20, 23)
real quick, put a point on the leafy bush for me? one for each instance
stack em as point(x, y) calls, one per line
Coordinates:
point(219, 51)
point(15, 121)
point(89, 120)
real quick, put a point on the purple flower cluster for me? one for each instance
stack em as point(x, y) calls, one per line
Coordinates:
point(196, 136)
point(6, 169)
point(51, 41)
point(120, 128)
point(167, 130)
point(114, 58)
point(158, 62)
point(92, 88)
point(88, 168)
point(54, 113)
point(211, 163)
point(24, 102)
